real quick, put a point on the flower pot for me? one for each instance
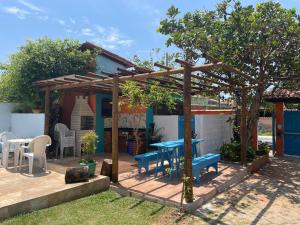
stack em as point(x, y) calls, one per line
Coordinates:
point(91, 166)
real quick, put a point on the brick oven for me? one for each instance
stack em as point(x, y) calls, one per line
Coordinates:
point(82, 120)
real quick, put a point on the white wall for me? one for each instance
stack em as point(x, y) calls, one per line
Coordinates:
point(168, 125)
point(214, 129)
point(27, 124)
point(5, 116)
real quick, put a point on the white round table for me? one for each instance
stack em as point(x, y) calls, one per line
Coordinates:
point(6, 150)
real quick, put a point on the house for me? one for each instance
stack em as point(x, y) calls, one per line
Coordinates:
point(106, 64)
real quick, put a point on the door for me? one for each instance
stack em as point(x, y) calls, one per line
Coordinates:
point(292, 133)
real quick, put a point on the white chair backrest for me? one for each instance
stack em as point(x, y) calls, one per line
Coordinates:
point(5, 136)
point(38, 145)
point(61, 129)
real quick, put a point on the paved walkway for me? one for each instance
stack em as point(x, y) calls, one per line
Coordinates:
point(270, 197)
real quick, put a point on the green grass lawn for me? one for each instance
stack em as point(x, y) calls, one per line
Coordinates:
point(104, 208)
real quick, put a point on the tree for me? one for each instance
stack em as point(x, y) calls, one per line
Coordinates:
point(263, 41)
point(38, 60)
point(137, 98)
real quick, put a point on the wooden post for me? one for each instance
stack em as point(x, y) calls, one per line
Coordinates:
point(115, 150)
point(47, 110)
point(187, 134)
point(243, 131)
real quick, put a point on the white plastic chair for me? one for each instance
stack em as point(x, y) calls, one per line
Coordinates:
point(65, 137)
point(37, 148)
point(4, 137)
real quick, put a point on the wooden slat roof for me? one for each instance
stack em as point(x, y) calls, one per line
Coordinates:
point(167, 77)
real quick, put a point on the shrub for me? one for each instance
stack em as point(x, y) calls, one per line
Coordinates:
point(264, 148)
point(231, 152)
point(89, 141)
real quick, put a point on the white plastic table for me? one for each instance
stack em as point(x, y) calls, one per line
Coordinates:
point(6, 150)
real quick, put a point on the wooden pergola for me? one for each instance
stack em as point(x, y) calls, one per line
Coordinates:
point(187, 80)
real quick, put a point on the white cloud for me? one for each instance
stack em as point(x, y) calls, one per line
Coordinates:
point(87, 32)
point(111, 38)
point(72, 21)
point(43, 18)
point(61, 22)
point(30, 6)
point(100, 29)
point(20, 13)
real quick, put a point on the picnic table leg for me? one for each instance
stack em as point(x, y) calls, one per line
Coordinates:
point(216, 167)
point(156, 167)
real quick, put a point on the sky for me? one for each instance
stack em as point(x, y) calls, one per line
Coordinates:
point(125, 27)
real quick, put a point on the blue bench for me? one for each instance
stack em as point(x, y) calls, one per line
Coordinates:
point(144, 159)
point(204, 162)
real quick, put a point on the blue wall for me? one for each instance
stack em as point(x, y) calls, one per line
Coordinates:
point(100, 120)
point(110, 66)
point(107, 65)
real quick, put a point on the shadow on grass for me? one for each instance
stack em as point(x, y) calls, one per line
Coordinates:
point(157, 210)
point(118, 198)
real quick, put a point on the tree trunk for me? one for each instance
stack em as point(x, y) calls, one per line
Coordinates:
point(255, 105)
point(76, 174)
point(106, 169)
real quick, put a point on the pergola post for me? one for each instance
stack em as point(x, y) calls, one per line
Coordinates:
point(115, 111)
point(187, 134)
point(243, 130)
point(47, 110)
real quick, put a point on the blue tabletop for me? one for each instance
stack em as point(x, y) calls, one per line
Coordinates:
point(173, 144)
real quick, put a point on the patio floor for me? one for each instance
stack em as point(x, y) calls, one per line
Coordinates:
point(21, 192)
point(162, 189)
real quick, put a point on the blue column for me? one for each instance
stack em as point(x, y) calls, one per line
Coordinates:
point(100, 121)
point(149, 120)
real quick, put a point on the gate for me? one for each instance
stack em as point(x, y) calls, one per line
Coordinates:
point(292, 133)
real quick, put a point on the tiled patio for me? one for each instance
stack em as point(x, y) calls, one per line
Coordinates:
point(21, 192)
point(167, 191)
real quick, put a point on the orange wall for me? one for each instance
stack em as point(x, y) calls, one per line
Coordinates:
point(213, 111)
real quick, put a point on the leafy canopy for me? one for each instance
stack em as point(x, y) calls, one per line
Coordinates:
point(136, 96)
point(38, 60)
point(261, 40)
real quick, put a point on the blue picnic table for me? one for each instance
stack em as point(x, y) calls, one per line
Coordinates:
point(172, 151)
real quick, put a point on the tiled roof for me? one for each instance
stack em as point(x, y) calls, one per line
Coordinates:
point(283, 95)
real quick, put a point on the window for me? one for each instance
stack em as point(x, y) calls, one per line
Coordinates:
point(106, 108)
point(87, 123)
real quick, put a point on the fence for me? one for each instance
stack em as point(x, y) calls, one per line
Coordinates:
point(21, 124)
point(214, 129)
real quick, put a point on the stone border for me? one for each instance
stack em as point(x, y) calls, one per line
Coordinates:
point(65, 195)
point(189, 207)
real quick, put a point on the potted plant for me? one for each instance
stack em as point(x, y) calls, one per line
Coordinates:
point(89, 141)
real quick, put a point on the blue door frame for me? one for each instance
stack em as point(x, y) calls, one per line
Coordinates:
point(292, 133)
